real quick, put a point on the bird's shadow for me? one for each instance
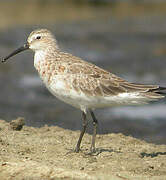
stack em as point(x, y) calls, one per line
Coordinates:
point(152, 155)
point(96, 153)
point(101, 150)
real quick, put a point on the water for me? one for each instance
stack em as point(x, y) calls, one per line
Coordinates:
point(125, 38)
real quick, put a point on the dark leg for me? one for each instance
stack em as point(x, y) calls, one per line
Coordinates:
point(95, 122)
point(82, 132)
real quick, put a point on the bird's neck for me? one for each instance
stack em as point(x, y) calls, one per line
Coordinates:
point(40, 56)
point(45, 54)
point(43, 57)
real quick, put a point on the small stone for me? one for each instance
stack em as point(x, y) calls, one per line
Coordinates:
point(81, 168)
point(17, 124)
point(4, 163)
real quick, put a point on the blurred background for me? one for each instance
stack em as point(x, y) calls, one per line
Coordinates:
point(127, 38)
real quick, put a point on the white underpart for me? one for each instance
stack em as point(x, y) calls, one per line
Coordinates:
point(82, 101)
point(39, 56)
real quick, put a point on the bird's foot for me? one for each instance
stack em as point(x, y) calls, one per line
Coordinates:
point(94, 152)
point(76, 150)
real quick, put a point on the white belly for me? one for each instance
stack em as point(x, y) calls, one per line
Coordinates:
point(59, 89)
point(82, 101)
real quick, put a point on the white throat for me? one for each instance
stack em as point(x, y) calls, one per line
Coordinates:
point(39, 56)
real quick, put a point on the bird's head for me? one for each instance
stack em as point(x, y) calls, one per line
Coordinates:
point(38, 40)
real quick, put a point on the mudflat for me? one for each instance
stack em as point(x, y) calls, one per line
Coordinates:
point(46, 153)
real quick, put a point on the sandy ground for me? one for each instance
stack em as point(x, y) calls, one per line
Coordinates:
point(45, 153)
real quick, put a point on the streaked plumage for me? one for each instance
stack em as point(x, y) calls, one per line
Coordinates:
point(82, 84)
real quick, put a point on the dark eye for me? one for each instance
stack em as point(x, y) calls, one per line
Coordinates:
point(38, 37)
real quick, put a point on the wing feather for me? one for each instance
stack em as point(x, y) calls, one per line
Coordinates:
point(95, 81)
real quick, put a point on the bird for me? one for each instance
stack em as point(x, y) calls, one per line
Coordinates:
point(82, 84)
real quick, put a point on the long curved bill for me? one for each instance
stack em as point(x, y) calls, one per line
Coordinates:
point(22, 48)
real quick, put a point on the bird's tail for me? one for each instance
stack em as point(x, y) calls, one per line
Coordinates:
point(159, 92)
point(151, 92)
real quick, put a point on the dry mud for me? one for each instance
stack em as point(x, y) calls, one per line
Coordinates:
point(45, 153)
